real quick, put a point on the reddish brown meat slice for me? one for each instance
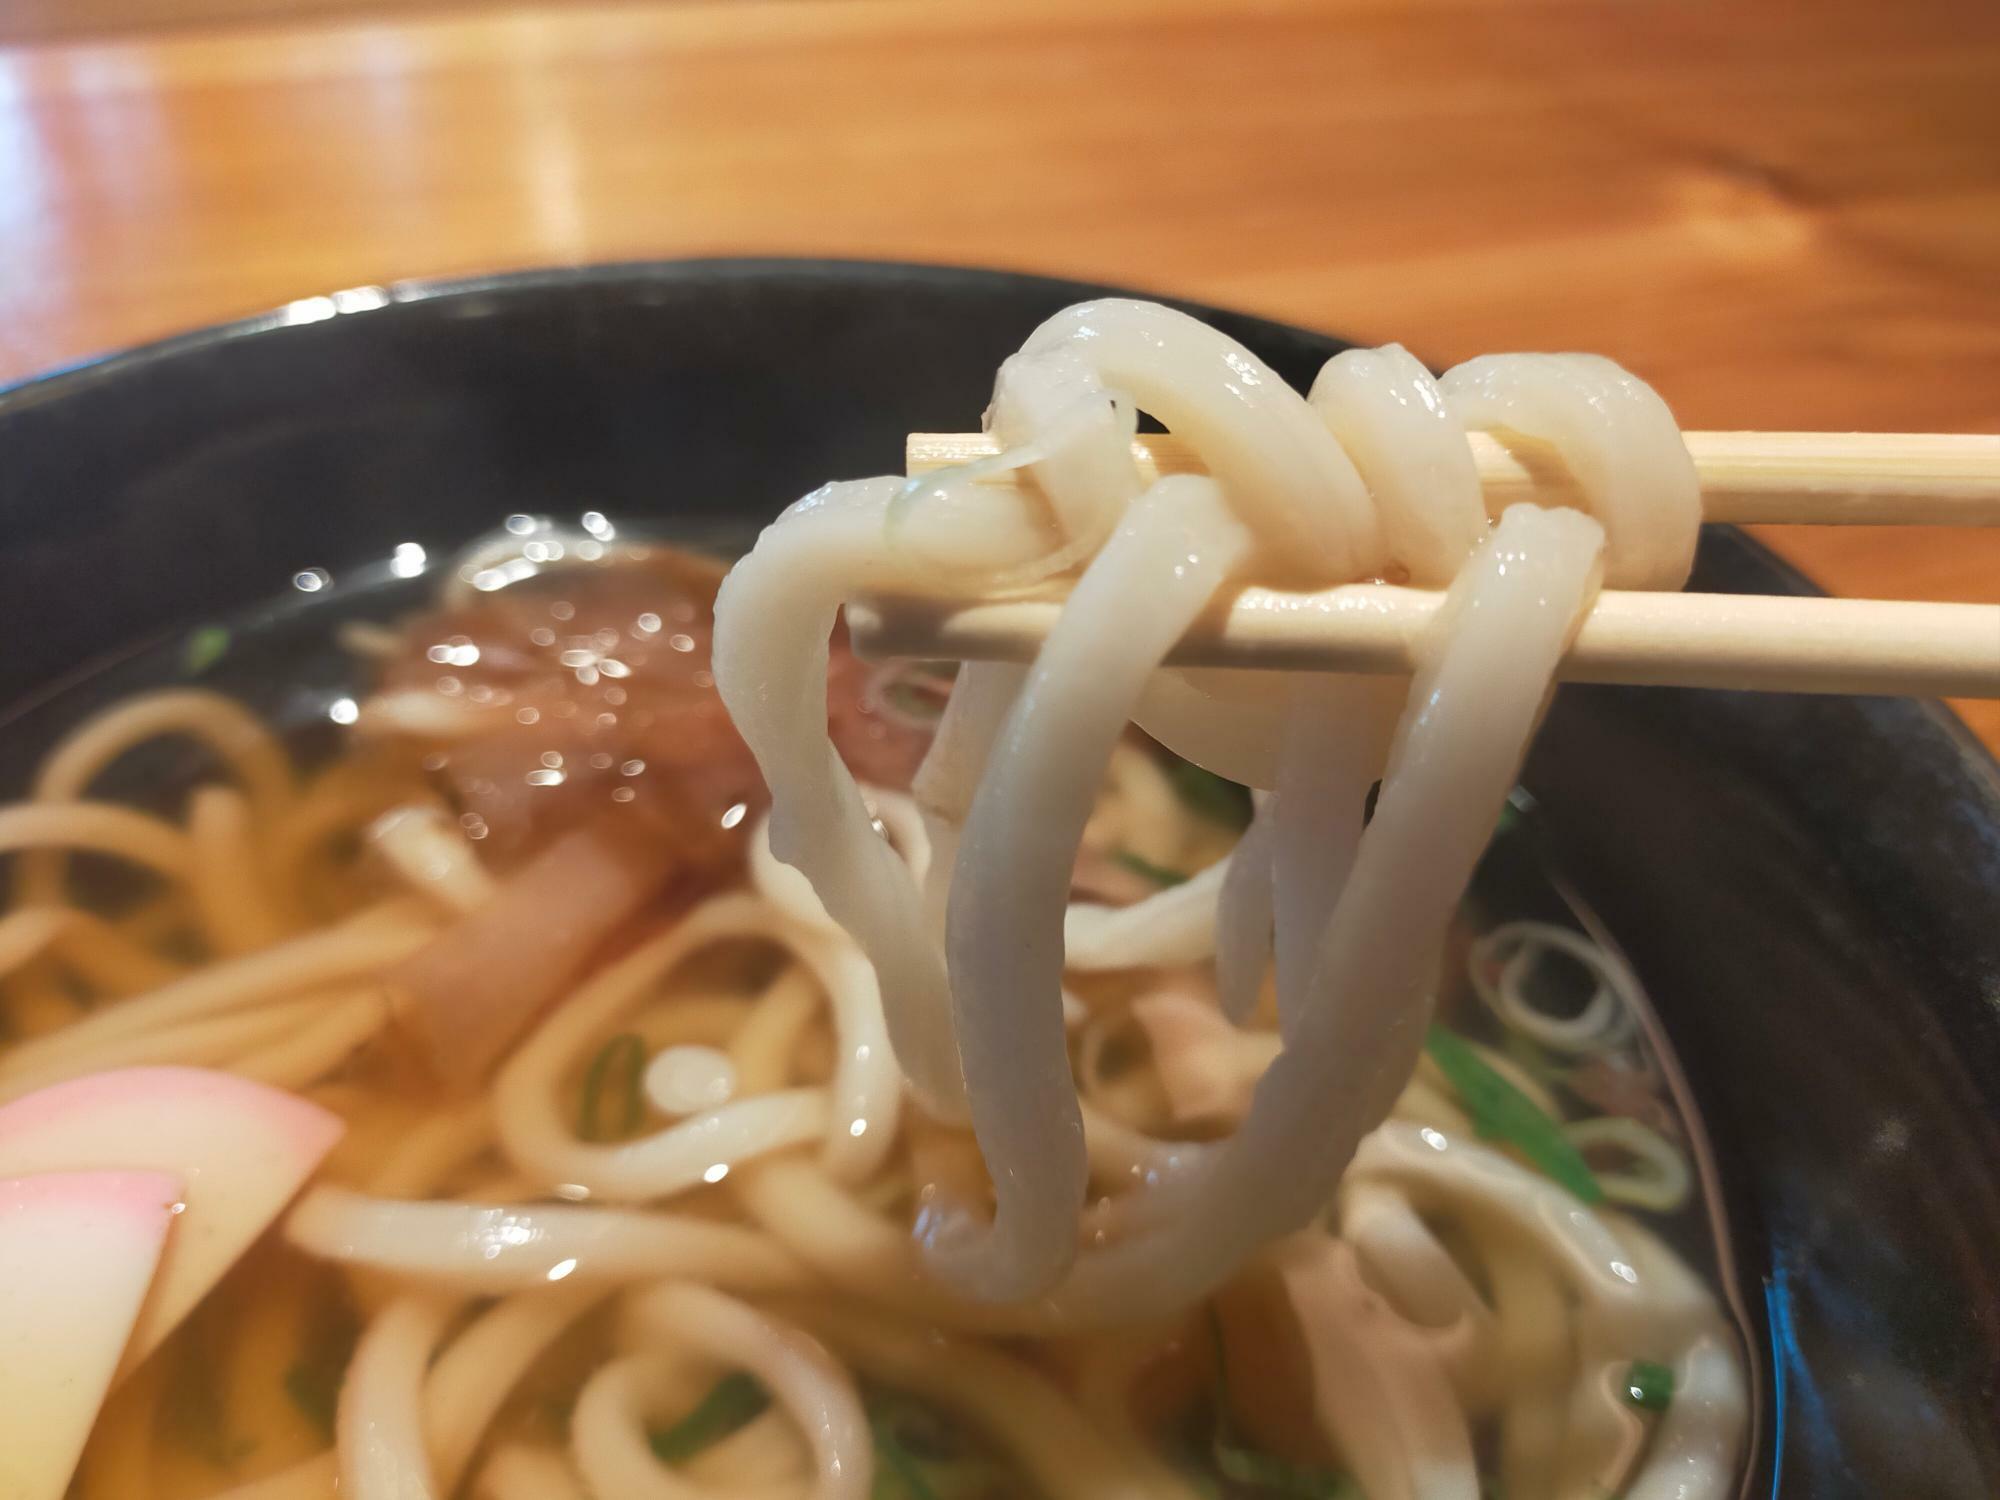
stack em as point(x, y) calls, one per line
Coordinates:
point(583, 742)
point(588, 690)
point(467, 996)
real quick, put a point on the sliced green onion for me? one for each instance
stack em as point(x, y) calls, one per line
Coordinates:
point(898, 1475)
point(205, 647)
point(192, 1414)
point(913, 702)
point(1214, 797)
point(1194, 1466)
point(919, 1430)
point(920, 1456)
point(1246, 1466)
point(1648, 1385)
point(1262, 1471)
point(1655, 1175)
point(616, 1069)
point(1502, 1112)
point(736, 1401)
point(314, 1379)
point(918, 690)
point(1139, 865)
point(316, 1393)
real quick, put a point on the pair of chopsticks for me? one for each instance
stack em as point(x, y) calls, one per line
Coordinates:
point(1767, 643)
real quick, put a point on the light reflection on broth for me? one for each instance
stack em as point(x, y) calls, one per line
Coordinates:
point(477, 968)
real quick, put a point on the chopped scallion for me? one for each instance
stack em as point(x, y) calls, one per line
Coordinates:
point(1648, 1385)
point(1214, 797)
point(1502, 1112)
point(1251, 1469)
point(313, 1381)
point(735, 1401)
point(314, 1395)
point(205, 647)
point(193, 1414)
point(914, 702)
point(616, 1070)
point(898, 1475)
point(1262, 1471)
point(921, 1454)
point(1139, 865)
point(1515, 811)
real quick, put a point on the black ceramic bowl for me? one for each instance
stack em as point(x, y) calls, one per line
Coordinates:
point(1809, 886)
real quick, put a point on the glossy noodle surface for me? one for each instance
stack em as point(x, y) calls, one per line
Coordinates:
point(880, 1080)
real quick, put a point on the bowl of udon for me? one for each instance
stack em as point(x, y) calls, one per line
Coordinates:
point(498, 998)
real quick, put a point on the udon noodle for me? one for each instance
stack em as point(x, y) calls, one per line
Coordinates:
point(1040, 1091)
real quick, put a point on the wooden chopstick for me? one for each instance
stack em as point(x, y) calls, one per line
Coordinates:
point(1821, 478)
point(1760, 642)
point(1768, 644)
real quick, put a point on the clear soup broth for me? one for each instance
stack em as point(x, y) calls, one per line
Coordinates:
point(470, 860)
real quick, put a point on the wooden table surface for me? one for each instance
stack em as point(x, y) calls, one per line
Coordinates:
point(1784, 215)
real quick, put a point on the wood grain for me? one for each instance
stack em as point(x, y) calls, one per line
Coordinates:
point(54, 20)
point(1785, 216)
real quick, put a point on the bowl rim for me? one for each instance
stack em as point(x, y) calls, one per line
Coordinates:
point(1913, 722)
point(92, 369)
